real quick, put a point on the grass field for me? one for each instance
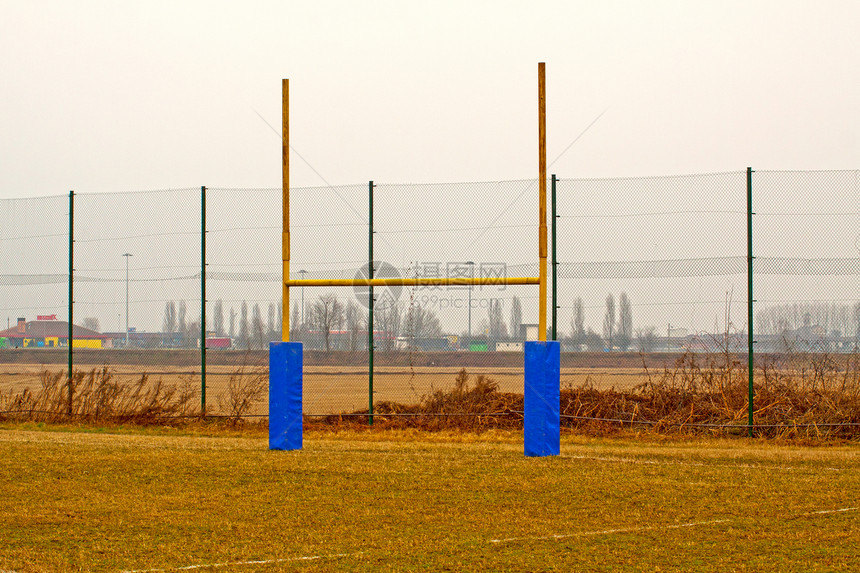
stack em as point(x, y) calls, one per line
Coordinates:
point(171, 500)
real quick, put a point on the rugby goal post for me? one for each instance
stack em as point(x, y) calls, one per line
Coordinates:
point(542, 358)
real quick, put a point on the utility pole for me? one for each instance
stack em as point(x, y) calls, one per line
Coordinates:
point(126, 255)
point(668, 336)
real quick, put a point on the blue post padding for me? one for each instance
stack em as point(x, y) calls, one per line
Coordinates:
point(541, 427)
point(285, 395)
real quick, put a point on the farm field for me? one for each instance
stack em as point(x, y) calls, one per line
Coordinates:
point(330, 389)
point(341, 389)
point(169, 500)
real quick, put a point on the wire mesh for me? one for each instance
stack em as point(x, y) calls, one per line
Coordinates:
point(646, 265)
point(430, 333)
point(137, 285)
point(652, 264)
point(807, 261)
point(34, 266)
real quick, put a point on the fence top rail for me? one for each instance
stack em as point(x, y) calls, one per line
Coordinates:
point(361, 187)
point(423, 281)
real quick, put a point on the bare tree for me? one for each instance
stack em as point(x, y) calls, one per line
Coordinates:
point(327, 314)
point(624, 334)
point(496, 324)
point(271, 333)
point(609, 322)
point(296, 329)
point(168, 325)
point(244, 327)
point(422, 323)
point(218, 318)
point(577, 323)
point(516, 317)
point(181, 325)
point(192, 333)
point(483, 329)
point(387, 318)
point(232, 322)
point(91, 323)
point(592, 341)
point(258, 334)
point(353, 323)
point(784, 318)
point(646, 337)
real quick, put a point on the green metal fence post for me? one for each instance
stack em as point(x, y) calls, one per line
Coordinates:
point(203, 301)
point(370, 302)
point(554, 264)
point(71, 292)
point(750, 300)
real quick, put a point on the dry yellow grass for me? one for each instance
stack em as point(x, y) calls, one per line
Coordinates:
point(410, 501)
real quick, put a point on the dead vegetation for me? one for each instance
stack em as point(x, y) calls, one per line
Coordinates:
point(246, 388)
point(797, 396)
point(100, 396)
point(467, 406)
point(806, 397)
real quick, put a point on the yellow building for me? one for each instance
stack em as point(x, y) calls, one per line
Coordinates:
point(48, 332)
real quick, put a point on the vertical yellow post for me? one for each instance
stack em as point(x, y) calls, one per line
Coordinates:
point(285, 239)
point(542, 199)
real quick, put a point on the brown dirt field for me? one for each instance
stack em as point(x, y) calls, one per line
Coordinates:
point(191, 358)
point(331, 389)
point(335, 381)
point(339, 389)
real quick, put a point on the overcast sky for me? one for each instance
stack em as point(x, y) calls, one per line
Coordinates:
point(116, 96)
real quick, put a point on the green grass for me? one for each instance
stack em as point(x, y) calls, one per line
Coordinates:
point(395, 501)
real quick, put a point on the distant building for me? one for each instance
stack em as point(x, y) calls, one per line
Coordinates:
point(221, 342)
point(137, 339)
point(529, 332)
point(431, 344)
point(48, 332)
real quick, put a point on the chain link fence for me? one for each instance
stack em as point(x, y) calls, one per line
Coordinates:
point(647, 269)
point(34, 281)
point(653, 264)
point(807, 245)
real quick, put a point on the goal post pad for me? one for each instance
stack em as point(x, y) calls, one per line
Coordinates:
point(542, 399)
point(285, 395)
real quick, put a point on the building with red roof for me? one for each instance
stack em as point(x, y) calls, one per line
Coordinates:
point(48, 332)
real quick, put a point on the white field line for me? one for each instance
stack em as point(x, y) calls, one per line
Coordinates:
point(654, 527)
point(611, 531)
point(647, 462)
point(238, 563)
point(843, 510)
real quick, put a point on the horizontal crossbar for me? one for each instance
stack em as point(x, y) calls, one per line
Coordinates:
point(423, 281)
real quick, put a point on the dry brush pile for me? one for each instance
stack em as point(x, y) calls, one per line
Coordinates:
point(466, 406)
point(101, 396)
point(796, 396)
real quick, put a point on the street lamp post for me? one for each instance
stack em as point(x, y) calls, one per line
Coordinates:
point(471, 275)
point(126, 255)
point(668, 336)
